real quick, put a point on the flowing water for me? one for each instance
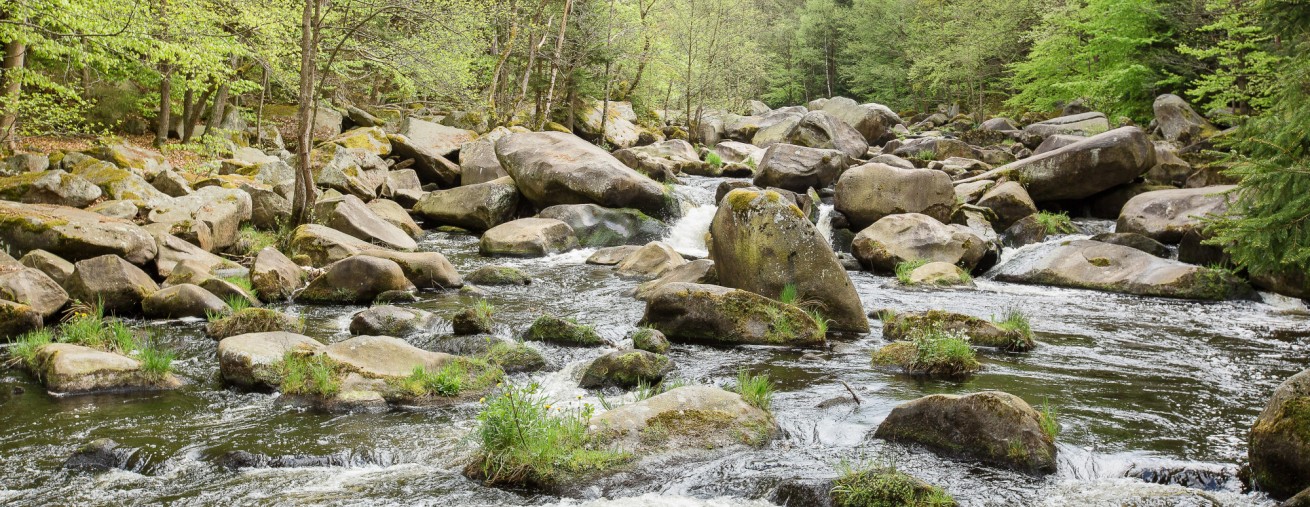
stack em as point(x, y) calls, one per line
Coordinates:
point(1137, 383)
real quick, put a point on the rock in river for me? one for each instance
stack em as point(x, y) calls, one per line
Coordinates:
point(1280, 439)
point(992, 426)
point(73, 234)
point(713, 314)
point(556, 168)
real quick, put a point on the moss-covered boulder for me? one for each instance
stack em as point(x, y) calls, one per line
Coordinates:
point(690, 417)
point(625, 368)
point(72, 234)
point(252, 360)
point(555, 168)
point(17, 319)
point(650, 340)
point(475, 207)
point(184, 300)
point(597, 226)
point(908, 325)
point(885, 487)
point(350, 215)
point(390, 320)
point(498, 275)
point(1100, 266)
point(549, 328)
point(74, 369)
point(762, 243)
point(370, 138)
point(32, 288)
point(514, 357)
point(528, 237)
point(470, 321)
point(120, 184)
point(274, 276)
point(108, 280)
point(992, 426)
point(356, 280)
point(253, 320)
point(712, 314)
point(798, 168)
point(50, 187)
point(1280, 440)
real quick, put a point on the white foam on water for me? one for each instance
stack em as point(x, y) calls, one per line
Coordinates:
point(659, 500)
point(825, 222)
point(687, 236)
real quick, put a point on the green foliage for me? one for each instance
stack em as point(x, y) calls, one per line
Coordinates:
point(870, 485)
point(788, 295)
point(310, 374)
point(448, 381)
point(903, 269)
point(757, 390)
point(1097, 51)
point(1048, 420)
point(714, 160)
point(1014, 319)
point(25, 349)
point(526, 440)
point(156, 363)
point(1245, 73)
point(87, 326)
point(1056, 223)
point(932, 352)
point(253, 240)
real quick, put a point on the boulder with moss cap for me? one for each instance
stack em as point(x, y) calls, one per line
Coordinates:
point(73, 234)
point(992, 426)
point(1280, 440)
point(691, 312)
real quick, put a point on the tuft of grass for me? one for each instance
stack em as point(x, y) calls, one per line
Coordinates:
point(25, 349)
point(924, 155)
point(236, 303)
point(819, 320)
point(484, 309)
point(1048, 420)
point(756, 390)
point(310, 374)
point(527, 441)
point(714, 160)
point(253, 240)
point(868, 485)
point(789, 294)
point(1014, 319)
point(903, 269)
point(1056, 223)
point(932, 352)
point(156, 363)
point(455, 377)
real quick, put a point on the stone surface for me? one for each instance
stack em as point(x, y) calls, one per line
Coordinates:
point(112, 282)
point(1010, 202)
point(350, 215)
point(387, 320)
point(1084, 168)
point(625, 368)
point(274, 276)
point(689, 417)
point(552, 168)
point(867, 193)
point(690, 312)
point(597, 226)
point(798, 168)
point(991, 426)
point(183, 300)
point(49, 187)
point(52, 265)
point(384, 356)
point(1166, 215)
point(72, 234)
point(613, 255)
point(650, 261)
point(251, 360)
point(912, 236)
point(17, 319)
point(528, 237)
point(356, 280)
point(1179, 122)
point(74, 369)
point(819, 129)
point(476, 207)
point(31, 287)
point(1280, 439)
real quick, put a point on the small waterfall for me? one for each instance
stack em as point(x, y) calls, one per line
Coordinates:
point(825, 222)
point(687, 235)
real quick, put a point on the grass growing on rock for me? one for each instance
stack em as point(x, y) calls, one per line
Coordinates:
point(1049, 422)
point(1056, 223)
point(714, 160)
point(867, 485)
point(567, 331)
point(527, 441)
point(903, 270)
point(455, 377)
point(86, 325)
point(1014, 319)
point(252, 240)
point(757, 390)
point(932, 352)
point(310, 374)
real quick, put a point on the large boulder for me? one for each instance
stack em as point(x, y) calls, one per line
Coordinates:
point(253, 320)
point(690, 417)
point(663, 161)
point(52, 265)
point(426, 270)
point(17, 319)
point(818, 129)
point(992, 426)
point(774, 127)
point(798, 168)
point(223, 210)
point(1166, 215)
point(867, 193)
point(119, 184)
point(528, 237)
point(1094, 265)
point(393, 213)
point(384, 357)
point(437, 139)
point(320, 245)
point(350, 171)
point(763, 244)
point(140, 160)
point(477, 159)
point(1083, 124)
point(619, 131)
point(650, 261)
point(112, 282)
point(387, 320)
point(430, 165)
point(183, 300)
point(691, 312)
point(556, 168)
point(914, 237)
point(274, 276)
point(873, 121)
point(1009, 201)
point(368, 138)
point(49, 187)
point(1280, 440)
point(350, 215)
point(74, 369)
point(477, 207)
point(356, 280)
point(252, 360)
point(597, 226)
point(72, 234)
point(1084, 168)
point(173, 251)
point(1178, 122)
point(31, 287)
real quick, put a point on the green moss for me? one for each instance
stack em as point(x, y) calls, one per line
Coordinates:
point(884, 486)
point(1100, 261)
point(498, 275)
point(253, 320)
point(905, 268)
point(460, 375)
point(705, 426)
point(515, 358)
point(549, 328)
point(933, 352)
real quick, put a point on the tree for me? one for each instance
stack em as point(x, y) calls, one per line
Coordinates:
point(1242, 75)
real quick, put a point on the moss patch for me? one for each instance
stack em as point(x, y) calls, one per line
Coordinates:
point(549, 328)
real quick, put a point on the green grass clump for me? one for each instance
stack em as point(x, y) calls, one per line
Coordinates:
point(865, 485)
point(527, 441)
point(1056, 223)
point(253, 240)
point(87, 326)
point(789, 294)
point(310, 374)
point(156, 363)
point(455, 377)
point(1014, 319)
point(932, 352)
point(924, 155)
point(549, 328)
point(903, 269)
point(714, 160)
point(1050, 425)
point(757, 390)
point(25, 349)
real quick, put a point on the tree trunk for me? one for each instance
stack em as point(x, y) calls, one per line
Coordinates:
point(645, 47)
point(192, 116)
point(15, 59)
point(544, 113)
point(216, 113)
point(165, 116)
point(304, 195)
